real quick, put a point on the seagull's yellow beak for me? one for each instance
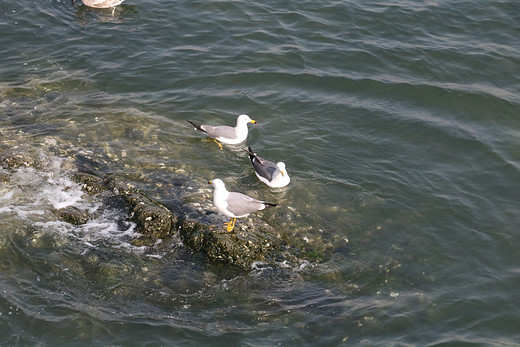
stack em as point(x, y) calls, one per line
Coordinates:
point(282, 172)
point(252, 121)
point(209, 182)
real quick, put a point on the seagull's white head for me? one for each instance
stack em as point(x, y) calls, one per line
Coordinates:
point(281, 167)
point(244, 118)
point(217, 184)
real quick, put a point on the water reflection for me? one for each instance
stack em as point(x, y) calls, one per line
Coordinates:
point(119, 14)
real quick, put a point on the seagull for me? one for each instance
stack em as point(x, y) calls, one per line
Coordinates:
point(235, 205)
point(101, 3)
point(274, 175)
point(227, 134)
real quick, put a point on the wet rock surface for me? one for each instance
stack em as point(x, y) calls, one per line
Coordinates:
point(241, 247)
point(246, 245)
point(73, 215)
point(23, 156)
point(253, 239)
point(153, 220)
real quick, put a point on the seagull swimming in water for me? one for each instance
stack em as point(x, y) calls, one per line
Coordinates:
point(274, 175)
point(235, 205)
point(227, 134)
point(101, 3)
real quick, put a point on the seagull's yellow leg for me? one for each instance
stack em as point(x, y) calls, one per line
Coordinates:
point(219, 144)
point(231, 225)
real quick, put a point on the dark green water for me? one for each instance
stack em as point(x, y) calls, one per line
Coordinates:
point(399, 124)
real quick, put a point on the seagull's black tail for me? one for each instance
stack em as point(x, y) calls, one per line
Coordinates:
point(270, 204)
point(196, 126)
point(252, 154)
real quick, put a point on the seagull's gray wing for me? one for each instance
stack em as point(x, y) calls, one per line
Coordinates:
point(264, 168)
point(241, 205)
point(220, 131)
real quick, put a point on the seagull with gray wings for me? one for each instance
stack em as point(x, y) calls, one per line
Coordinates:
point(235, 205)
point(274, 175)
point(227, 134)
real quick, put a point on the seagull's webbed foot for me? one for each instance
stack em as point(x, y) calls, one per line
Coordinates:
point(230, 225)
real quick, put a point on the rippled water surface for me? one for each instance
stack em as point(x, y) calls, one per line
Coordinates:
point(399, 125)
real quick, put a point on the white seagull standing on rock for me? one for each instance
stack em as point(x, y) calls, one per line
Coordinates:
point(235, 205)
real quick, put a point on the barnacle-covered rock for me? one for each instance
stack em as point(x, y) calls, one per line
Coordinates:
point(73, 215)
point(189, 217)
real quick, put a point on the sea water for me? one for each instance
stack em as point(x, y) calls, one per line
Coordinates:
point(398, 123)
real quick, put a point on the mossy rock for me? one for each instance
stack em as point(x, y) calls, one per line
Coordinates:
point(242, 247)
point(73, 215)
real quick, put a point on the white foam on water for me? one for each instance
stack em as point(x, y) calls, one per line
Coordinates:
point(7, 196)
point(32, 192)
point(62, 192)
point(5, 209)
point(33, 195)
point(110, 228)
